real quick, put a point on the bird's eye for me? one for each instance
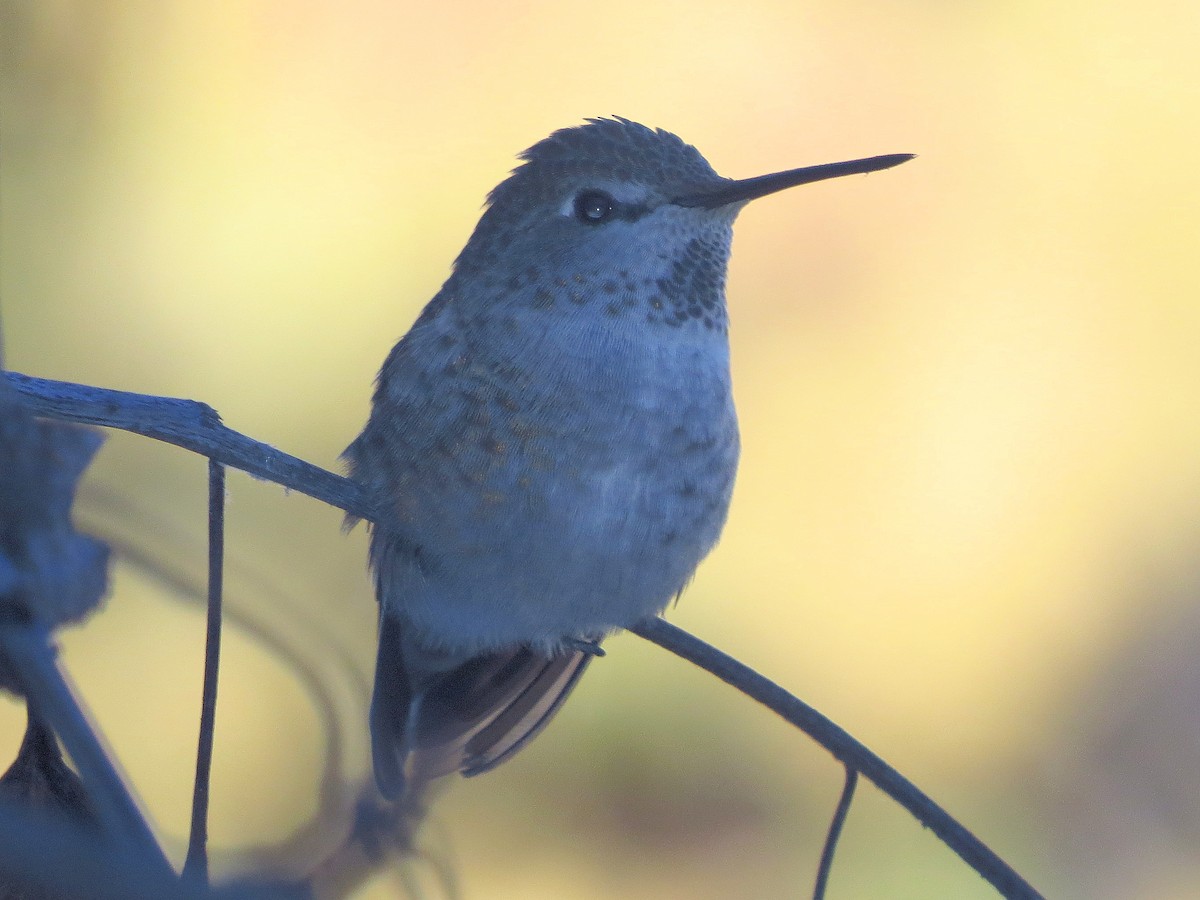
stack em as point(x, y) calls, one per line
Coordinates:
point(594, 207)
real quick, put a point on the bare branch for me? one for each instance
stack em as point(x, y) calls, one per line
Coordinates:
point(844, 747)
point(196, 426)
point(196, 864)
point(55, 575)
point(191, 425)
point(835, 833)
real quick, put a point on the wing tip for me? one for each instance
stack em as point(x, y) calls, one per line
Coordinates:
point(479, 714)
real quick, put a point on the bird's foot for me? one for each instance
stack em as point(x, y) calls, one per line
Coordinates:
point(592, 648)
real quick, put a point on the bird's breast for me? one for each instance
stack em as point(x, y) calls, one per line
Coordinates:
point(567, 491)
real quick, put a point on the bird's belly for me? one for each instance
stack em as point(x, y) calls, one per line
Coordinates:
point(595, 536)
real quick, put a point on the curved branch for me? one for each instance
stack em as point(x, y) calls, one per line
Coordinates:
point(847, 750)
point(197, 427)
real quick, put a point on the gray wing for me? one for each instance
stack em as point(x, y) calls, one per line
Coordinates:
point(413, 414)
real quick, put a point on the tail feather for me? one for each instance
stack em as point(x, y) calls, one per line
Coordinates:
point(468, 718)
point(392, 701)
point(523, 720)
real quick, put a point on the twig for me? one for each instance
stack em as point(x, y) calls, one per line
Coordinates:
point(196, 865)
point(191, 425)
point(835, 832)
point(196, 426)
point(845, 748)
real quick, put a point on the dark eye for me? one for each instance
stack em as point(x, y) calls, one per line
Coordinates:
point(594, 207)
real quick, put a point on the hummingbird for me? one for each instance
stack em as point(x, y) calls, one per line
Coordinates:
point(552, 446)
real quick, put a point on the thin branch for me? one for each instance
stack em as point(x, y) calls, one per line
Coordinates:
point(844, 747)
point(835, 832)
point(191, 425)
point(196, 426)
point(196, 865)
point(28, 649)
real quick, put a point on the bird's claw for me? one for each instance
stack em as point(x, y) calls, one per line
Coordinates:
point(592, 648)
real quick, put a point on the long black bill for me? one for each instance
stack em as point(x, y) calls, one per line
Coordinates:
point(749, 188)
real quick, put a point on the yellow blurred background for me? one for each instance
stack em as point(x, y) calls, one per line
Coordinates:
point(967, 522)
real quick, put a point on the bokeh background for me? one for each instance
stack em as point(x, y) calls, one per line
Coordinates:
point(968, 517)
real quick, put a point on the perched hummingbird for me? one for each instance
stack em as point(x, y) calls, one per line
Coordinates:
point(552, 446)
